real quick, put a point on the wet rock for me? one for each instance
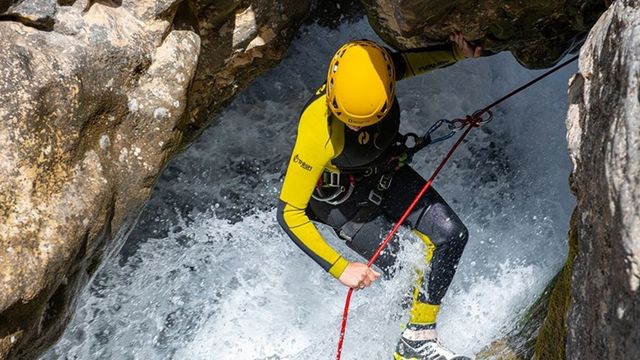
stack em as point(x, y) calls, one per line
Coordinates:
point(240, 40)
point(97, 96)
point(604, 144)
point(37, 13)
point(538, 33)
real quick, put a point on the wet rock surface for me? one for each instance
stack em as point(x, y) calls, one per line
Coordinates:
point(604, 144)
point(240, 40)
point(537, 33)
point(97, 96)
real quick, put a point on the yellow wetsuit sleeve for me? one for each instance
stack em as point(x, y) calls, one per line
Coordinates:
point(312, 151)
point(414, 62)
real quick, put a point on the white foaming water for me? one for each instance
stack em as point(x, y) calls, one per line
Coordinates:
point(219, 279)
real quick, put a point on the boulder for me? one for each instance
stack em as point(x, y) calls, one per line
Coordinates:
point(604, 143)
point(240, 40)
point(538, 33)
point(97, 96)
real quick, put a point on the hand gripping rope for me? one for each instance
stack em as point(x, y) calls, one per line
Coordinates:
point(468, 123)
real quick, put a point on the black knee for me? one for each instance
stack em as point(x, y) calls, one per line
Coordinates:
point(443, 226)
point(446, 258)
point(458, 236)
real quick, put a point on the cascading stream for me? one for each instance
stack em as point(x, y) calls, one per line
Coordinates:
point(209, 274)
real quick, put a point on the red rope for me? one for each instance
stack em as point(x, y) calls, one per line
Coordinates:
point(472, 122)
point(393, 231)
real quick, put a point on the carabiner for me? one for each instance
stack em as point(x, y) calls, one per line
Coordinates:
point(480, 118)
point(417, 140)
point(456, 125)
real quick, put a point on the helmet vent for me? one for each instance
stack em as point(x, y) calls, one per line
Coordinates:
point(384, 108)
point(369, 61)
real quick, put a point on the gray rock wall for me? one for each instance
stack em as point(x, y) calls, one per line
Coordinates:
point(538, 33)
point(604, 143)
point(97, 96)
point(240, 40)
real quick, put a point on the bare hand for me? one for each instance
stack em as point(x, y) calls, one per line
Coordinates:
point(467, 49)
point(358, 276)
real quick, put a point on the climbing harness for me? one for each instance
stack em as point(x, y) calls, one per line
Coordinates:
point(333, 182)
point(376, 194)
point(467, 124)
point(336, 186)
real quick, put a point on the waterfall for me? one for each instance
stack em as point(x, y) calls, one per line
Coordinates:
point(208, 273)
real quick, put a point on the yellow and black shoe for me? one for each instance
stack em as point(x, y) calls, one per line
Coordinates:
point(410, 347)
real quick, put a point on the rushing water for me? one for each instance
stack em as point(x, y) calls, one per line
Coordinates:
point(208, 274)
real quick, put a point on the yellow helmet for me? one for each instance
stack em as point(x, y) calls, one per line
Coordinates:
point(360, 83)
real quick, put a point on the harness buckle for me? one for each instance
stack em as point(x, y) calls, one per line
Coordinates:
point(334, 179)
point(385, 182)
point(375, 197)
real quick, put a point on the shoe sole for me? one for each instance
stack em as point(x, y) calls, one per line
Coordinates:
point(397, 356)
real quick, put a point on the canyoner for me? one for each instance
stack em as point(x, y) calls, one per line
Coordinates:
point(479, 118)
point(348, 169)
